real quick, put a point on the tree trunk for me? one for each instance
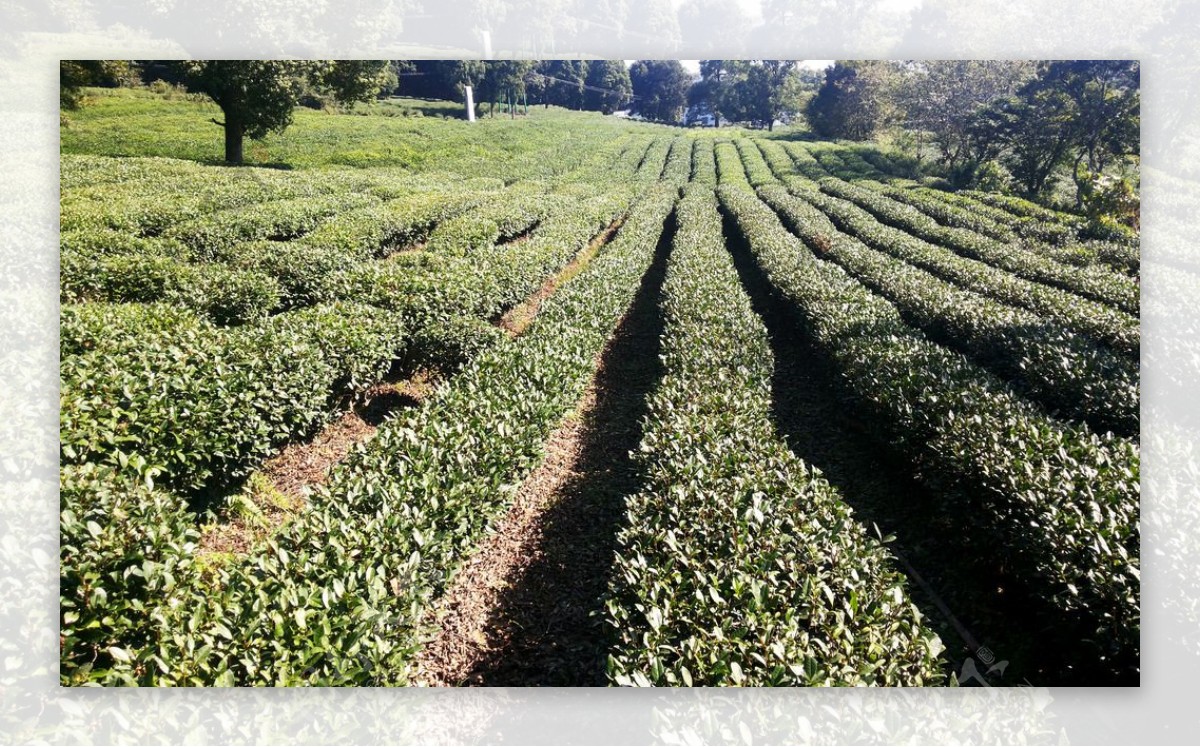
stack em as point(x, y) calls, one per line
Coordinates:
point(1079, 181)
point(235, 133)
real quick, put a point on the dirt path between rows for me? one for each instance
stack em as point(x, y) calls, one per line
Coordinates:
point(281, 486)
point(517, 319)
point(526, 608)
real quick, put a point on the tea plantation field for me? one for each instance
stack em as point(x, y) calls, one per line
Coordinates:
point(883, 426)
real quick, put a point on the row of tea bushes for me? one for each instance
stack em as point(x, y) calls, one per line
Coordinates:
point(127, 558)
point(1065, 501)
point(829, 158)
point(375, 231)
point(653, 163)
point(147, 196)
point(952, 210)
point(1055, 241)
point(777, 159)
point(678, 167)
point(496, 219)
point(226, 295)
point(278, 220)
point(738, 564)
point(1096, 283)
point(155, 195)
point(115, 327)
point(109, 242)
point(1023, 208)
point(757, 171)
point(704, 163)
point(425, 287)
point(305, 274)
point(845, 163)
point(335, 597)
point(893, 164)
point(1099, 321)
point(804, 162)
point(1058, 368)
point(201, 405)
point(730, 171)
point(857, 160)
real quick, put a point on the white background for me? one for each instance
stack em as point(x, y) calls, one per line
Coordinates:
point(34, 36)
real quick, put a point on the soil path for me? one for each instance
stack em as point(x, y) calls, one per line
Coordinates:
point(516, 320)
point(526, 607)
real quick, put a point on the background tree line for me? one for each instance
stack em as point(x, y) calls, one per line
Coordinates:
point(1016, 125)
point(994, 123)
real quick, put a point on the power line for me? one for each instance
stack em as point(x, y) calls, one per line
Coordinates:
point(584, 86)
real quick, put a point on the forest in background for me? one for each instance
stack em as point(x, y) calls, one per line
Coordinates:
point(1064, 133)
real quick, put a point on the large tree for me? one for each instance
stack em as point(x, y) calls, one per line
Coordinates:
point(504, 80)
point(450, 78)
point(772, 90)
point(660, 89)
point(259, 96)
point(608, 86)
point(943, 97)
point(1084, 111)
point(856, 100)
point(563, 82)
point(759, 92)
point(1106, 99)
point(713, 92)
point(1031, 135)
point(355, 80)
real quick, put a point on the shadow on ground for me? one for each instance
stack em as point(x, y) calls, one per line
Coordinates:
point(553, 608)
point(950, 547)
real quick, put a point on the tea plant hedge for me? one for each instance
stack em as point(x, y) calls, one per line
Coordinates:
point(739, 564)
point(972, 439)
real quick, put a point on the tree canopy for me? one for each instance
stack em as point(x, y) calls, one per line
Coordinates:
point(1083, 111)
point(259, 96)
point(563, 82)
point(943, 98)
point(759, 92)
point(609, 86)
point(856, 100)
point(660, 88)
